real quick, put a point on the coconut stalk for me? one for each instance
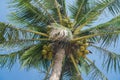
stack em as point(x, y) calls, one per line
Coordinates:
point(58, 63)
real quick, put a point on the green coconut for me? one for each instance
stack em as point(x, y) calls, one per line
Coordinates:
point(86, 51)
point(44, 52)
point(82, 48)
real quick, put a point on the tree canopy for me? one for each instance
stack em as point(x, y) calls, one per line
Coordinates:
point(47, 25)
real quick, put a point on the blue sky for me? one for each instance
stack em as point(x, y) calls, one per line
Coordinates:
point(20, 74)
point(3, 10)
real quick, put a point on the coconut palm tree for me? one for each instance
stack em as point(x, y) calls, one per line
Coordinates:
point(54, 36)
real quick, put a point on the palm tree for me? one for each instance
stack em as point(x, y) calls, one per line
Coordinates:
point(54, 37)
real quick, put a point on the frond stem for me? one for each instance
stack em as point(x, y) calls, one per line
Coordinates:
point(31, 31)
point(79, 10)
point(89, 60)
point(58, 10)
point(23, 40)
point(102, 25)
point(92, 35)
point(75, 65)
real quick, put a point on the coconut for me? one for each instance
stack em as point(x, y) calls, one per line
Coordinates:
point(86, 44)
point(44, 52)
point(45, 47)
point(86, 51)
point(82, 48)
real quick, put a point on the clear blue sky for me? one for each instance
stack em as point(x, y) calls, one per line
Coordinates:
point(18, 74)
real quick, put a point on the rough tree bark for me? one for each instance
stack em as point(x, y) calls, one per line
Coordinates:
point(57, 67)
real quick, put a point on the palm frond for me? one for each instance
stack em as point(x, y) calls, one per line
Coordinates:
point(63, 7)
point(28, 57)
point(86, 67)
point(78, 9)
point(91, 15)
point(13, 36)
point(97, 8)
point(32, 58)
point(23, 23)
point(110, 26)
point(75, 64)
point(95, 73)
point(83, 66)
point(30, 12)
point(93, 35)
point(21, 42)
point(46, 6)
point(114, 6)
point(8, 60)
point(110, 59)
point(58, 11)
point(57, 8)
point(48, 71)
point(40, 12)
point(36, 15)
point(25, 58)
point(114, 23)
point(69, 72)
point(8, 32)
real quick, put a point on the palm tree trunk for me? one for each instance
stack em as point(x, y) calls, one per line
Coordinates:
point(57, 67)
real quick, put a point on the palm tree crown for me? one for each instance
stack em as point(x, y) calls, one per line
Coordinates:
point(53, 30)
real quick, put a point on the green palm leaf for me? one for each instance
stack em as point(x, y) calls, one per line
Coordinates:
point(32, 57)
point(114, 7)
point(110, 26)
point(69, 72)
point(110, 59)
point(13, 36)
point(95, 73)
point(8, 60)
point(30, 13)
point(91, 14)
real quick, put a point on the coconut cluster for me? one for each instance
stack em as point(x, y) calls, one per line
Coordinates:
point(82, 50)
point(47, 52)
point(67, 23)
